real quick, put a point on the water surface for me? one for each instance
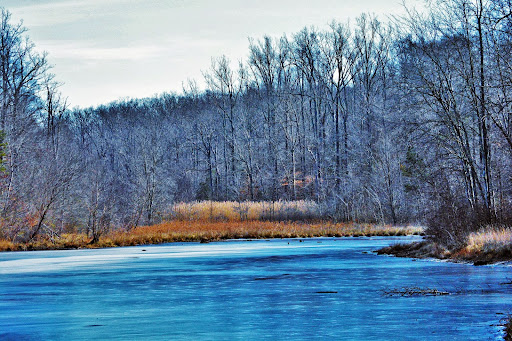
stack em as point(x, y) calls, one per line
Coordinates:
point(317, 289)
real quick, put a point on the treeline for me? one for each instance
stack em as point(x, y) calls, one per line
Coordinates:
point(402, 122)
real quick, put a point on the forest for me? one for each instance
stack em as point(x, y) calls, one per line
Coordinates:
point(401, 121)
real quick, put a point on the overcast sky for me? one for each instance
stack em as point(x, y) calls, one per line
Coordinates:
point(103, 50)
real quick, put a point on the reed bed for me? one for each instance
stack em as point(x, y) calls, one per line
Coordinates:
point(204, 231)
point(487, 246)
point(490, 239)
point(197, 230)
point(183, 231)
point(246, 211)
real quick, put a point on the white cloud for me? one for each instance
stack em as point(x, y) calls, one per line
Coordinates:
point(50, 13)
point(72, 50)
point(105, 49)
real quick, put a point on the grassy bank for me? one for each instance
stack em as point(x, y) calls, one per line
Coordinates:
point(195, 230)
point(213, 220)
point(489, 245)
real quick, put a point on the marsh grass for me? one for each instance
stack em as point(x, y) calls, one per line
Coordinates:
point(183, 231)
point(232, 211)
point(490, 240)
point(211, 221)
point(6, 245)
point(486, 246)
point(205, 231)
point(489, 245)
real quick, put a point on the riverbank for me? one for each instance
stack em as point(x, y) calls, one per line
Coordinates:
point(206, 231)
point(508, 329)
point(487, 246)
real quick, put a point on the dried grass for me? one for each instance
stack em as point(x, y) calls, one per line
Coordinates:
point(490, 240)
point(184, 231)
point(64, 241)
point(210, 221)
point(246, 211)
point(487, 246)
point(6, 245)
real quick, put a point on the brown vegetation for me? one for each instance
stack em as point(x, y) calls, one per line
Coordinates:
point(423, 249)
point(508, 329)
point(303, 210)
point(415, 291)
point(486, 246)
point(204, 231)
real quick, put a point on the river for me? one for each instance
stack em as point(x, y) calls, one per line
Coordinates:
point(282, 289)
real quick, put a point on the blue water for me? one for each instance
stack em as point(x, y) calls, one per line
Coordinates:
point(318, 289)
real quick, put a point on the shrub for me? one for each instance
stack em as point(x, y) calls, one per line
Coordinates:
point(451, 223)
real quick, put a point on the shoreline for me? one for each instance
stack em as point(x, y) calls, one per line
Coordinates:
point(427, 249)
point(206, 231)
point(508, 328)
point(179, 231)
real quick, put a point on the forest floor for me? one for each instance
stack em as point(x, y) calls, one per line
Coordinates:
point(487, 246)
point(206, 231)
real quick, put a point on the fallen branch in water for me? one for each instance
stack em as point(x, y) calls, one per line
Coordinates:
point(415, 291)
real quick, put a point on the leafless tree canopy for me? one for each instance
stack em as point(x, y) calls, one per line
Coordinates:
point(403, 122)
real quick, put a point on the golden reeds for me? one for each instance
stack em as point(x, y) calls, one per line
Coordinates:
point(487, 246)
point(183, 231)
point(490, 239)
point(247, 210)
point(210, 221)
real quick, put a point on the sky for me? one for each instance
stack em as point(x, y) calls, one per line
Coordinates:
point(106, 50)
